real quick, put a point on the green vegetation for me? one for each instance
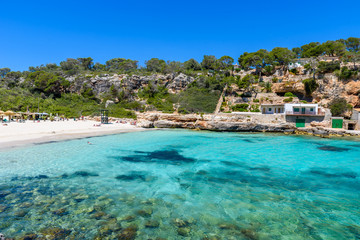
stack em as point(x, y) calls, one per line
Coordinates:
point(287, 100)
point(243, 107)
point(345, 73)
point(289, 94)
point(328, 67)
point(339, 106)
point(69, 89)
point(254, 108)
point(310, 86)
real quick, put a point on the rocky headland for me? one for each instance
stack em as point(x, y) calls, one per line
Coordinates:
point(247, 122)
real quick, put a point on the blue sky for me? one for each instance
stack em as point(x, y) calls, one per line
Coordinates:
point(40, 32)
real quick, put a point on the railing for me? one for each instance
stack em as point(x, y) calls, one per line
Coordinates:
point(319, 113)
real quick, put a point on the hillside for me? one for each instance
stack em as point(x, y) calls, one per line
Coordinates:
point(315, 72)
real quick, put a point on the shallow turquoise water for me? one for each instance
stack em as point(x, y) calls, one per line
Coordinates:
point(177, 184)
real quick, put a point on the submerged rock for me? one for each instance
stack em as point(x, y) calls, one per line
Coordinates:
point(108, 229)
point(4, 193)
point(128, 218)
point(228, 226)
point(184, 231)
point(81, 197)
point(60, 212)
point(128, 233)
point(3, 208)
point(144, 212)
point(249, 234)
point(26, 205)
point(99, 215)
point(30, 236)
point(21, 213)
point(55, 233)
point(152, 224)
point(181, 223)
point(211, 238)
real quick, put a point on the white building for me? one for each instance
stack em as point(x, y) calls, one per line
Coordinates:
point(272, 108)
point(301, 109)
point(292, 109)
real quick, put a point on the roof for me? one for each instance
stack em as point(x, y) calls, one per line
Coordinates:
point(302, 104)
point(270, 105)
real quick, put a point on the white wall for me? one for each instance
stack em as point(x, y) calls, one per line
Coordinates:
point(290, 106)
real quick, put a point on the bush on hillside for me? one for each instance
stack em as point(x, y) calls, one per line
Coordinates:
point(339, 106)
point(289, 94)
point(310, 86)
point(243, 107)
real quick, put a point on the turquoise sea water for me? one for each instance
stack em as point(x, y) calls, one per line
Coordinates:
point(174, 184)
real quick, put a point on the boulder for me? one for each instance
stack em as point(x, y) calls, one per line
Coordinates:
point(180, 82)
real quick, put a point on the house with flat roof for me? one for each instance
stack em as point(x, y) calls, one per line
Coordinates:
point(301, 114)
point(272, 108)
point(302, 109)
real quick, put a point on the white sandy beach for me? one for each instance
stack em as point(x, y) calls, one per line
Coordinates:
point(17, 134)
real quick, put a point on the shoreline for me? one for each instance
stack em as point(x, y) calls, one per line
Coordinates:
point(238, 123)
point(16, 135)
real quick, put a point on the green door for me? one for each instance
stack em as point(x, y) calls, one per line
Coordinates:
point(337, 123)
point(300, 122)
point(302, 110)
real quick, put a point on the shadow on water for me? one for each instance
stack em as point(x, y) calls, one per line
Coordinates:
point(313, 180)
point(245, 166)
point(332, 174)
point(354, 145)
point(333, 149)
point(168, 156)
point(80, 174)
point(134, 176)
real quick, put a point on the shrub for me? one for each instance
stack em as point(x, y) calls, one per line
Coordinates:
point(339, 106)
point(256, 100)
point(345, 73)
point(310, 86)
point(289, 94)
point(274, 80)
point(328, 67)
point(254, 108)
point(243, 107)
point(303, 101)
point(294, 71)
point(197, 100)
point(287, 100)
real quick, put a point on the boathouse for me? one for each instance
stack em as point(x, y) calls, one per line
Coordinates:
point(302, 114)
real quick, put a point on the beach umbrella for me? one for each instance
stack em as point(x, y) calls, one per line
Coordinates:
point(1, 112)
point(9, 113)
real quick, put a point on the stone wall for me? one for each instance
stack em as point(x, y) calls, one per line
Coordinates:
point(308, 119)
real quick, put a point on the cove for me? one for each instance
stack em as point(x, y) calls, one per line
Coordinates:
point(173, 184)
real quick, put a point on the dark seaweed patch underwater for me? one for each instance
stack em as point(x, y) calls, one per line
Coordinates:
point(213, 186)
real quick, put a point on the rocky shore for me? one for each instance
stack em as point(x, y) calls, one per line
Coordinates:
point(236, 123)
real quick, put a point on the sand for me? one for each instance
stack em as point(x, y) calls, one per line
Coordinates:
point(19, 134)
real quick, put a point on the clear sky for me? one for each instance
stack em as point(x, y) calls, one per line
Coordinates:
point(40, 32)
